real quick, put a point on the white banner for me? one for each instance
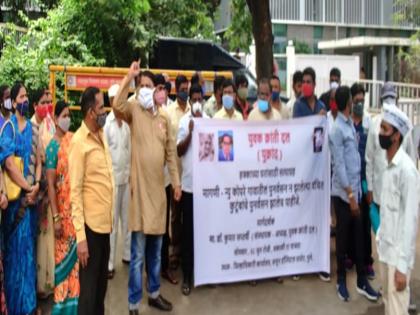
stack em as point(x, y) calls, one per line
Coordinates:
point(261, 199)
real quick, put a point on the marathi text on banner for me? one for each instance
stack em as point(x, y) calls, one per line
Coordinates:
point(261, 199)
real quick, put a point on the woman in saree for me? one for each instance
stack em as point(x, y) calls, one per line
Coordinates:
point(18, 140)
point(66, 292)
point(3, 206)
point(44, 125)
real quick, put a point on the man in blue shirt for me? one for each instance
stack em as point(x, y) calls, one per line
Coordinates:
point(346, 192)
point(308, 104)
point(361, 121)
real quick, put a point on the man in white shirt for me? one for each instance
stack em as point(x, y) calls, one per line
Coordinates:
point(184, 148)
point(397, 232)
point(375, 156)
point(117, 133)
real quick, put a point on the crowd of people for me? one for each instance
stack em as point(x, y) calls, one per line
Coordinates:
point(65, 195)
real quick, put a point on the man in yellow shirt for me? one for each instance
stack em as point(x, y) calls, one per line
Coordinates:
point(92, 191)
point(152, 146)
point(214, 103)
point(228, 110)
point(264, 110)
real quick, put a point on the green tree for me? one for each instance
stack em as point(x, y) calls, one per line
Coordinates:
point(27, 58)
point(251, 19)
point(122, 30)
point(111, 29)
point(301, 47)
point(409, 58)
point(98, 32)
point(181, 18)
point(263, 36)
point(239, 33)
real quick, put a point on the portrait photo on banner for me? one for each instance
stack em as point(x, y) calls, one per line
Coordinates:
point(206, 152)
point(226, 150)
point(318, 139)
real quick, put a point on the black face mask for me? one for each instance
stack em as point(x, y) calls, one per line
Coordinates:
point(385, 141)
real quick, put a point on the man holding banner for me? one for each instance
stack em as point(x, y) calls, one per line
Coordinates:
point(346, 192)
point(264, 110)
point(186, 126)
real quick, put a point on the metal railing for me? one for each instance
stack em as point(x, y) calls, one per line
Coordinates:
point(358, 13)
point(412, 108)
point(408, 95)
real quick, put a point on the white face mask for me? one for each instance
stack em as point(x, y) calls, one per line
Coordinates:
point(145, 97)
point(197, 108)
point(334, 85)
point(8, 104)
point(64, 124)
point(389, 102)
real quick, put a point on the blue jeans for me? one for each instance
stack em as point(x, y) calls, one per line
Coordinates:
point(140, 252)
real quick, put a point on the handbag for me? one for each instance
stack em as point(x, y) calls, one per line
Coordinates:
point(12, 189)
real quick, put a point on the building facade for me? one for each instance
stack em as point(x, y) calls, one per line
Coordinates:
point(367, 28)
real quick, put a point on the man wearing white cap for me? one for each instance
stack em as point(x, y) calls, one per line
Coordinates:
point(375, 156)
point(117, 134)
point(397, 232)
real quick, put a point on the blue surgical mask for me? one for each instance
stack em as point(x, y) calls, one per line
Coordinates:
point(227, 101)
point(262, 105)
point(183, 96)
point(23, 108)
point(275, 96)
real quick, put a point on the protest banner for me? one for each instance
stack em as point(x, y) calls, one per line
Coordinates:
point(261, 199)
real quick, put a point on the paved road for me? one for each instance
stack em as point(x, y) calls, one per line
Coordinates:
point(306, 296)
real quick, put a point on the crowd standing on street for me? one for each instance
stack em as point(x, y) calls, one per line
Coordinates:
point(70, 194)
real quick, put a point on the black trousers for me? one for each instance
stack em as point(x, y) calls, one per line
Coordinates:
point(187, 248)
point(367, 236)
point(93, 278)
point(166, 238)
point(367, 231)
point(349, 230)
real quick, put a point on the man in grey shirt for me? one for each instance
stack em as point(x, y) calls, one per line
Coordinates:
point(346, 192)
